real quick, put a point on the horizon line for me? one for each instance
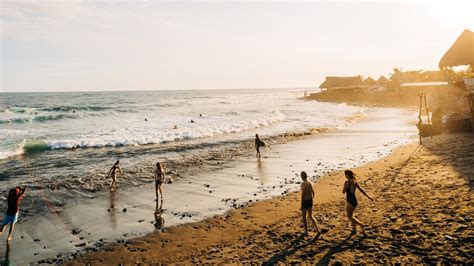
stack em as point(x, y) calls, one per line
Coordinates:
point(125, 90)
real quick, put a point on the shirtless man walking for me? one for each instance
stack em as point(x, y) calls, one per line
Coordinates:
point(307, 195)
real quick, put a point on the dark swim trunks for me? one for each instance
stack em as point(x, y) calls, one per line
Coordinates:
point(306, 204)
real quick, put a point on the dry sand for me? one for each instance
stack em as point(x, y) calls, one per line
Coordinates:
point(422, 213)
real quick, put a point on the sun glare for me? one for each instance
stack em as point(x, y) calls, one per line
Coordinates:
point(455, 11)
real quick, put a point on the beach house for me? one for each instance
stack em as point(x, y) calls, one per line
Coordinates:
point(370, 81)
point(383, 80)
point(435, 92)
point(343, 84)
point(461, 53)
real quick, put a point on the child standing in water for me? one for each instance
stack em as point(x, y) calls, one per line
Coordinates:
point(349, 189)
point(113, 173)
point(11, 217)
point(159, 179)
point(307, 195)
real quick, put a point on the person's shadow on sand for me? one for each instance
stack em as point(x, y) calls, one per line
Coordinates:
point(6, 262)
point(291, 249)
point(326, 259)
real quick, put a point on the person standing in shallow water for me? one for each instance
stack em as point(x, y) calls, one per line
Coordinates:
point(350, 187)
point(11, 216)
point(258, 144)
point(159, 179)
point(113, 173)
point(307, 195)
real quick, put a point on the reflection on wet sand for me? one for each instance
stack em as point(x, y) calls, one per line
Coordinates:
point(159, 220)
point(261, 171)
point(113, 218)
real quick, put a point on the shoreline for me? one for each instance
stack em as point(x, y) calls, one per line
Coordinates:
point(400, 228)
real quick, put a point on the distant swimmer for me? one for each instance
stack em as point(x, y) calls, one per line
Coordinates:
point(11, 216)
point(307, 195)
point(146, 119)
point(258, 144)
point(175, 127)
point(200, 115)
point(113, 173)
point(159, 179)
point(192, 121)
point(349, 189)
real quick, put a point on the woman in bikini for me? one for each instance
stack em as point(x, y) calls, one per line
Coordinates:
point(113, 173)
point(159, 179)
point(350, 187)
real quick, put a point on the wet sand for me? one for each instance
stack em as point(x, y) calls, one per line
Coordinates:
point(422, 214)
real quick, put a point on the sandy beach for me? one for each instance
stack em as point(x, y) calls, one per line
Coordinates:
point(184, 132)
point(422, 213)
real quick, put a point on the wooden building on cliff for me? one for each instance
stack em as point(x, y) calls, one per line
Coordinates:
point(383, 80)
point(341, 84)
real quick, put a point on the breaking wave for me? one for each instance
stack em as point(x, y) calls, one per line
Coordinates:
point(138, 137)
point(39, 118)
point(73, 108)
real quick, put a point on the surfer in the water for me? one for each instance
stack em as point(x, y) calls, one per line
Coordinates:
point(258, 144)
point(113, 174)
point(11, 216)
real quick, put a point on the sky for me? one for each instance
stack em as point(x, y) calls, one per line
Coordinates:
point(79, 45)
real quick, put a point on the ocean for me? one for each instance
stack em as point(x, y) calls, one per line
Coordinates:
point(59, 135)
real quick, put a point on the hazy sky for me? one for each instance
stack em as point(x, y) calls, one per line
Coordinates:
point(130, 45)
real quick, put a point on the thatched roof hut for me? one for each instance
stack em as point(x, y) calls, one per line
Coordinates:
point(461, 52)
point(369, 81)
point(333, 82)
point(383, 80)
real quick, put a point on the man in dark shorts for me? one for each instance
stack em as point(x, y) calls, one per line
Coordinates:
point(307, 195)
point(11, 216)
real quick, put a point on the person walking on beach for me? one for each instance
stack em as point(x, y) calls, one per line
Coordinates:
point(307, 195)
point(349, 189)
point(258, 144)
point(113, 173)
point(159, 179)
point(11, 216)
